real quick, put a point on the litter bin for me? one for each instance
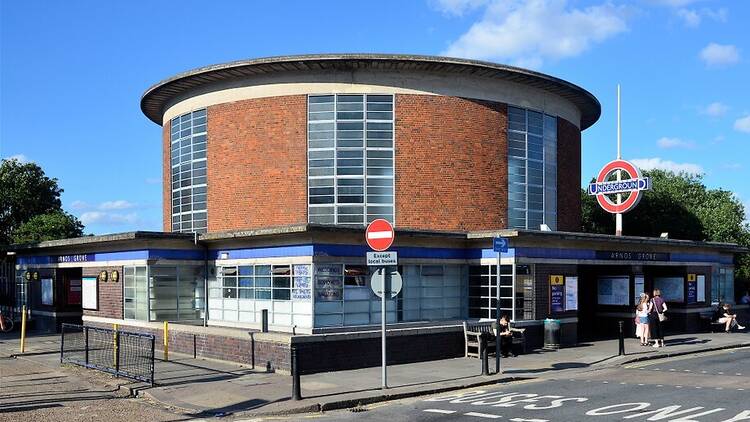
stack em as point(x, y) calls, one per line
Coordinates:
point(551, 334)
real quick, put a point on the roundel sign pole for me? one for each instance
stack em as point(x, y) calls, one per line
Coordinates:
point(379, 236)
point(633, 185)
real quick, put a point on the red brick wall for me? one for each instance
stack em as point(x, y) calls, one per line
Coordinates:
point(110, 293)
point(568, 176)
point(451, 163)
point(257, 163)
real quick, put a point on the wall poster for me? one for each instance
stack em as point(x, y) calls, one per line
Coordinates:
point(557, 293)
point(672, 288)
point(614, 290)
point(701, 288)
point(639, 288)
point(571, 293)
point(90, 293)
point(48, 291)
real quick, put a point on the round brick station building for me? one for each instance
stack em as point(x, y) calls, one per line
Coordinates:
point(273, 168)
point(429, 143)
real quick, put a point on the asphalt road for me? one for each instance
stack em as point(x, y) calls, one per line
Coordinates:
point(713, 386)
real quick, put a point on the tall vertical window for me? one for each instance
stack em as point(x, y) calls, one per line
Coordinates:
point(483, 292)
point(350, 158)
point(532, 169)
point(188, 161)
point(135, 284)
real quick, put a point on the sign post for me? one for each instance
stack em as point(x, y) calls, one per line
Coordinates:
point(500, 245)
point(633, 186)
point(379, 236)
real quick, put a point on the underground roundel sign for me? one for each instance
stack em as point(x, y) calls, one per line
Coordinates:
point(631, 185)
point(379, 235)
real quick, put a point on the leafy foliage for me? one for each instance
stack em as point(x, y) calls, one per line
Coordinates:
point(26, 192)
point(681, 205)
point(55, 225)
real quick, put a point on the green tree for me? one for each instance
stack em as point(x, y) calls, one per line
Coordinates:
point(25, 192)
point(55, 225)
point(681, 205)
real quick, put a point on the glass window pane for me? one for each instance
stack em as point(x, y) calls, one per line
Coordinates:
point(345, 114)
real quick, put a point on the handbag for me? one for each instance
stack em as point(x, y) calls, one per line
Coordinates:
point(662, 317)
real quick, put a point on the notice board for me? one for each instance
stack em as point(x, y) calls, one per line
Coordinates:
point(672, 288)
point(571, 293)
point(613, 290)
point(48, 291)
point(90, 293)
point(557, 293)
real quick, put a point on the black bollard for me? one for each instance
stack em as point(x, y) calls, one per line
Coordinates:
point(296, 387)
point(264, 321)
point(484, 354)
point(622, 339)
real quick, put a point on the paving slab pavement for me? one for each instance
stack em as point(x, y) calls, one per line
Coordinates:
point(207, 388)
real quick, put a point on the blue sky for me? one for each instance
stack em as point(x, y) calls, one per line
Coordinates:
point(72, 73)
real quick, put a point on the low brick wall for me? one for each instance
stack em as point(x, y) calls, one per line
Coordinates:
point(317, 353)
point(254, 350)
point(328, 355)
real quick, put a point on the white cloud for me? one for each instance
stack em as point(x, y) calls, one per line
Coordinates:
point(20, 157)
point(717, 55)
point(674, 3)
point(731, 166)
point(690, 17)
point(667, 143)
point(719, 15)
point(153, 180)
point(536, 30)
point(101, 217)
point(120, 204)
point(742, 124)
point(457, 7)
point(79, 205)
point(658, 163)
point(715, 109)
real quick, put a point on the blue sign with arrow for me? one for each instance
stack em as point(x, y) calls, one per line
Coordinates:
point(500, 244)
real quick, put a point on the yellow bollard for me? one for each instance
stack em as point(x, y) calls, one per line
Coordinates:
point(166, 341)
point(23, 329)
point(114, 345)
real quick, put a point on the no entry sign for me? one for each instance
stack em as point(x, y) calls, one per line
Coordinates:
point(379, 235)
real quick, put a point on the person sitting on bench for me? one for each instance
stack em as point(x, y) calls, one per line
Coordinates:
point(728, 318)
point(505, 336)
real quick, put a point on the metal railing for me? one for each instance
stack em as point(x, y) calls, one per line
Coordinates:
point(121, 353)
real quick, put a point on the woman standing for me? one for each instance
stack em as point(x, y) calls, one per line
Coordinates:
point(658, 307)
point(642, 311)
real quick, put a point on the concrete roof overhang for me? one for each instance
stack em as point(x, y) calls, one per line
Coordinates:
point(312, 232)
point(159, 97)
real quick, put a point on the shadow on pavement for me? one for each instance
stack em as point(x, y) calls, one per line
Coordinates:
point(27, 408)
point(241, 406)
point(685, 341)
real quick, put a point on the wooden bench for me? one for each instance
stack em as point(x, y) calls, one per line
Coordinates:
point(472, 331)
point(713, 325)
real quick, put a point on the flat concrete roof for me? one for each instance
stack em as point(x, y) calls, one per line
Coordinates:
point(301, 229)
point(158, 97)
point(105, 238)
